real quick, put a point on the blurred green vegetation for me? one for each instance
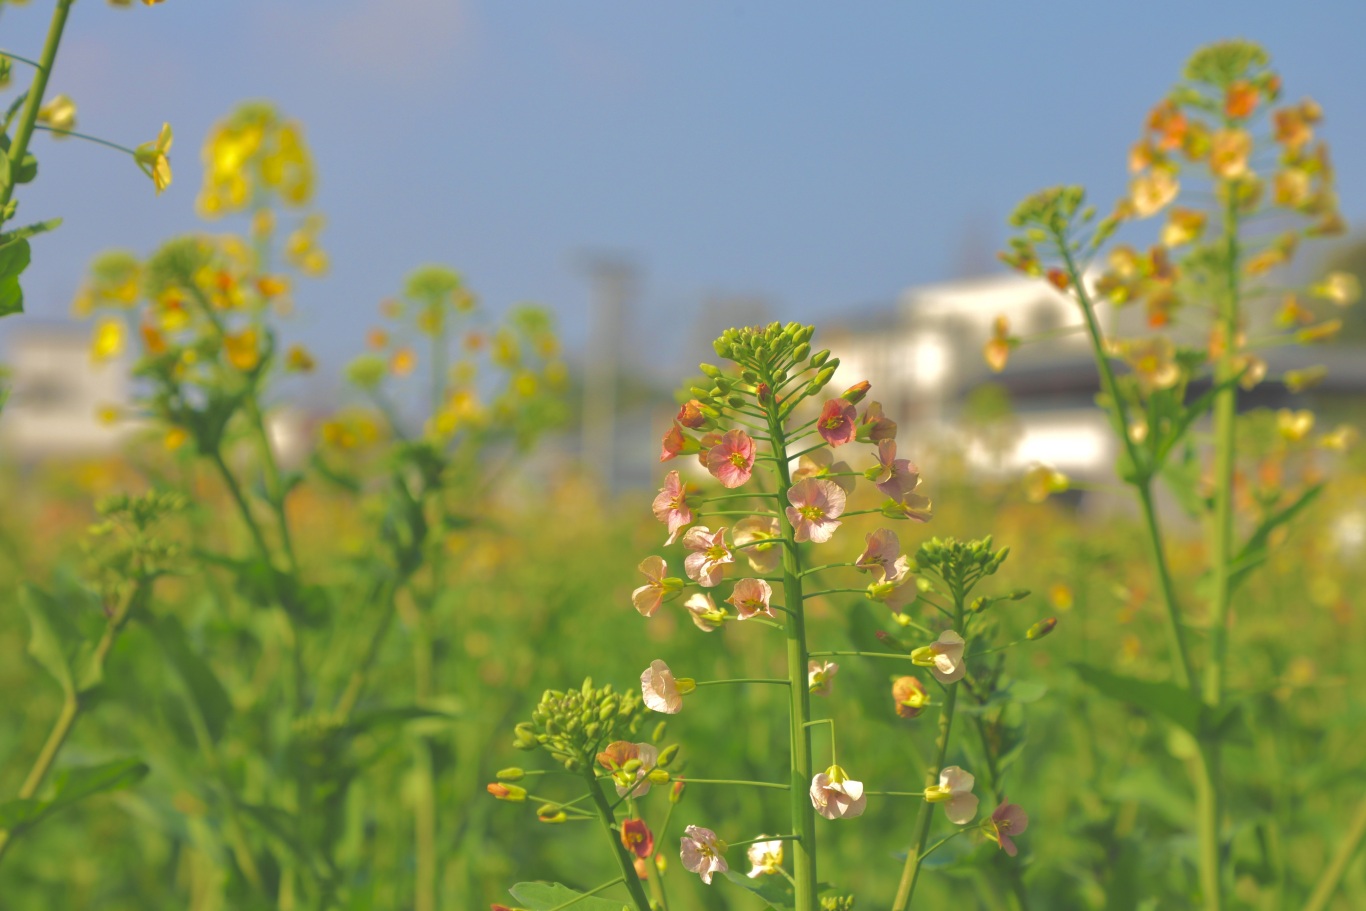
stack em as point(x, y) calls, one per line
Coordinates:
point(536, 595)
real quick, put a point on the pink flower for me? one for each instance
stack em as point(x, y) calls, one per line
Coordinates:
point(690, 415)
point(816, 503)
point(709, 555)
point(880, 555)
point(837, 796)
point(732, 459)
point(1007, 820)
point(944, 657)
point(765, 857)
point(750, 598)
point(637, 838)
point(671, 505)
point(674, 443)
point(703, 853)
point(896, 477)
point(855, 393)
point(836, 423)
point(763, 558)
point(660, 690)
point(954, 791)
point(820, 676)
point(638, 785)
point(821, 464)
point(874, 427)
point(706, 616)
point(649, 596)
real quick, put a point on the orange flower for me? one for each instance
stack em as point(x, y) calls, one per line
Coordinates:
point(242, 349)
point(1229, 153)
point(997, 350)
point(1240, 100)
point(1151, 193)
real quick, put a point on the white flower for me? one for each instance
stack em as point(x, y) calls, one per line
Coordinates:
point(954, 791)
point(660, 690)
point(703, 853)
point(837, 796)
point(765, 857)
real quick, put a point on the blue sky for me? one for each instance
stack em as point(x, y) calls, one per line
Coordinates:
point(824, 156)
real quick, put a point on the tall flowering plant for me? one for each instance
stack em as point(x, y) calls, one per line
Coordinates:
point(1240, 181)
point(795, 466)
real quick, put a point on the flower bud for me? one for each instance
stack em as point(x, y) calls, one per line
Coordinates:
point(685, 685)
point(667, 755)
point(820, 357)
point(855, 393)
point(554, 819)
point(722, 348)
point(511, 774)
point(1042, 628)
point(510, 793)
point(749, 376)
point(816, 385)
point(676, 792)
point(736, 401)
point(803, 350)
point(632, 765)
point(701, 394)
point(659, 776)
point(709, 370)
point(661, 863)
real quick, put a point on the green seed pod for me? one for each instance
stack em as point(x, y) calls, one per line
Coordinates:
point(820, 357)
point(1042, 628)
point(592, 729)
point(716, 392)
point(607, 711)
point(510, 774)
point(722, 348)
point(724, 384)
point(548, 809)
point(702, 395)
point(631, 766)
point(749, 376)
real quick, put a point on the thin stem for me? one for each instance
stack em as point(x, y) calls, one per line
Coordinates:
point(1337, 867)
point(33, 63)
point(736, 496)
point(782, 681)
point(754, 841)
point(899, 655)
point(816, 569)
point(943, 841)
point(838, 591)
point(624, 859)
point(29, 114)
point(748, 784)
point(87, 137)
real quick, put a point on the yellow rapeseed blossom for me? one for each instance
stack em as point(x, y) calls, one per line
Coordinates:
point(1042, 481)
point(299, 360)
point(1229, 152)
point(1308, 378)
point(1294, 426)
point(152, 158)
point(1343, 438)
point(1153, 361)
point(403, 362)
point(1342, 288)
point(1150, 193)
point(108, 340)
point(175, 438)
point(242, 349)
point(1183, 226)
point(59, 113)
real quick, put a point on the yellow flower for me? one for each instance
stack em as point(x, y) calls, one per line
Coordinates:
point(1229, 153)
point(108, 341)
point(1294, 426)
point(1150, 193)
point(403, 362)
point(59, 113)
point(1308, 378)
point(1342, 288)
point(299, 360)
point(1320, 332)
point(242, 349)
point(1183, 226)
point(1340, 440)
point(1041, 482)
point(175, 438)
point(1153, 361)
point(151, 157)
point(998, 347)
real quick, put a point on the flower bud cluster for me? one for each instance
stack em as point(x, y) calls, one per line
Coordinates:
point(573, 725)
point(961, 564)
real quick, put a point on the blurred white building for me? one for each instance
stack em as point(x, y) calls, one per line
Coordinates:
point(56, 394)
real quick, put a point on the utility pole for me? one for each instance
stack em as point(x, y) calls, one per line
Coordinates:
point(614, 284)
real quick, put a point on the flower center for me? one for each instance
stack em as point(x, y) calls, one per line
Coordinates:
point(812, 513)
point(716, 553)
point(738, 459)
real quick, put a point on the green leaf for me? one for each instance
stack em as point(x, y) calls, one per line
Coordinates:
point(14, 259)
point(1182, 477)
point(544, 896)
point(1254, 551)
point(50, 636)
point(1166, 699)
point(366, 721)
point(16, 813)
point(27, 168)
point(207, 695)
point(77, 783)
point(775, 890)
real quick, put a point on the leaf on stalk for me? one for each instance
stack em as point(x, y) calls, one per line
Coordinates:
point(1254, 551)
point(14, 259)
point(27, 231)
point(71, 786)
point(1161, 698)
point(207, 696)
point(51, 634)
point(544, 896)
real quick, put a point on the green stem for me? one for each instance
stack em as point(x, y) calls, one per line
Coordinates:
point(29, 115)
point(1142, 481)
point(742, 782)
point(755, 841)
point(1337, 867)
point(33, 63)
point(87, 137)
point(863, 654)
point(624, 858)
point(911, 871)
point(783, 681)
point(803, 813)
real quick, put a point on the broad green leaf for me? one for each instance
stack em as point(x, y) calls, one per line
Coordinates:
point(50, 636)
point(775, 890)
point(1166, 699)
point(544, 896)
point(279, 825)
point(14, 259)
point(78, 783)
point(207, 695)
point(1253, 552)
point(27, 168)
point(15, 813)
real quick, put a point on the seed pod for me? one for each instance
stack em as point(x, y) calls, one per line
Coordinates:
point(702, 395)
point(659, 776)
point(736, 401)
point(658, 734)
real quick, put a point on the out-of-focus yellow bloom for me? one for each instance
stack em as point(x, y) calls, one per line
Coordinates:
point(250, 152)
point(175, 438)
point(108, 415)
point(377, 339)
point(403, 362)
point(1294, 426)
point(1321, 332)
point(460, 409)
point(1308, 378)
point(152, 158)
point(58, 113)
point(302, 250)
point(463, 372)
point(1343, 438)
point(506, 351)
point(1240, 100)
point(1342, 288)
point(171, 309)
point(1153, 361)
point(1060, 596)
point(525, 384)
point(1293, 313)
point(1278, 253)
point(1042, 481)
point(272, 285)
point(1150, 193)
point(1183, 226)
point(243, 349)
point(351, 430)
point(221, 288)
point(1229, 151)
point(1251, 370)
point(262, 223)
point(299, 360)
point(391, 308)
point(367, 371)
point(464, 300)
point(998, 347)
point(153, 342)
point(108, 340)
point(1290, 188)
point(556, 374)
